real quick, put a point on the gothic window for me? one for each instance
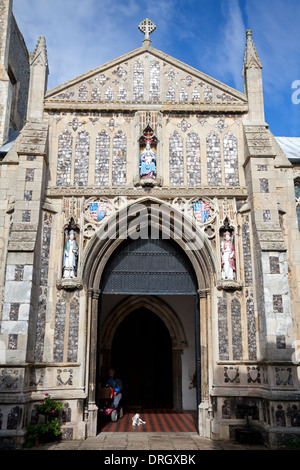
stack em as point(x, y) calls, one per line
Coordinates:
point(154, 81)
point(231, 160)
point(64, 160)
point(214, 170)
point(119, 159)
point(138, 80)
point(102, 159)
point(176, 160)
point(297, 194)
point(193, 159)
point(82, 152)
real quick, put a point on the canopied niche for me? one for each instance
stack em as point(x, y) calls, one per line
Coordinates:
point(148, 150)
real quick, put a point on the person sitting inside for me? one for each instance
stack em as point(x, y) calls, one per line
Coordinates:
point(117, 386)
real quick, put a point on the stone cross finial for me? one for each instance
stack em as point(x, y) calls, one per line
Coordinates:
point(147, 27)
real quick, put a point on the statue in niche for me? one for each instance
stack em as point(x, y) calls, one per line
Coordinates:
point(228, 257)
point(148, 143)
point(70, 257)
point(148, 163)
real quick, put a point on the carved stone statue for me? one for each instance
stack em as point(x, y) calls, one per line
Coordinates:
point(228, 257)
point(70, 257)
point(148, 163)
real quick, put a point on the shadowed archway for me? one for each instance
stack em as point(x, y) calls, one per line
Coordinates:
point(171, 323)
point(142, 356)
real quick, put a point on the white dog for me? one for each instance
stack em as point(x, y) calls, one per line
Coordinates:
point(136, 421)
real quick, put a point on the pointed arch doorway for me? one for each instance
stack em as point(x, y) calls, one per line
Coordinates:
point(157, 269)
point(142, 335)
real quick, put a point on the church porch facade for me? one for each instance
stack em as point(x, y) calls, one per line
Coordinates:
point(147, 157)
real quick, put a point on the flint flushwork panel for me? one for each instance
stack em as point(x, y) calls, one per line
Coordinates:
point(42, 302)
point(154, 81)
point(122, 93)
point(170, 95)
point(64, 161)
point(193, 160)
point(183, 96)
point(214, 170)
point(231, 160)
point(109, 94)
point(82, 151)
point(82, 93)
point(176, 160)
point(223, 330)
point(59, 332)
point(96, 94)
point(73, 331)
point(102, 159)
point(138, 81)
point(119, 159)
point(236, 325)
point(247, 253)
point(252, 353)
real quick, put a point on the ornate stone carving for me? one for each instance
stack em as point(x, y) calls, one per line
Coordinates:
point(64, 377)
point(97, 209)
point(9, 379)
point(253, 374)
point(231, 375)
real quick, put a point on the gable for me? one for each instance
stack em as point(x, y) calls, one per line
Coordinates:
point(146, 77)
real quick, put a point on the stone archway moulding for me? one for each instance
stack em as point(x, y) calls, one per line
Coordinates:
point(157, 306)
point(93, 264)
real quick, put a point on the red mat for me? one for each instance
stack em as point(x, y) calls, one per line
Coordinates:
point(155, 421)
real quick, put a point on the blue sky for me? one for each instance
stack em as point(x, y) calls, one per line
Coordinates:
point(206, 34)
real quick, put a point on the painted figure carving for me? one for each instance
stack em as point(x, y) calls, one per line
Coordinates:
point(228, 257)
point(148, 163)
point(70, 257)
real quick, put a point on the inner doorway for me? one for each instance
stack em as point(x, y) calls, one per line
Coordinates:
point(142, 356)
